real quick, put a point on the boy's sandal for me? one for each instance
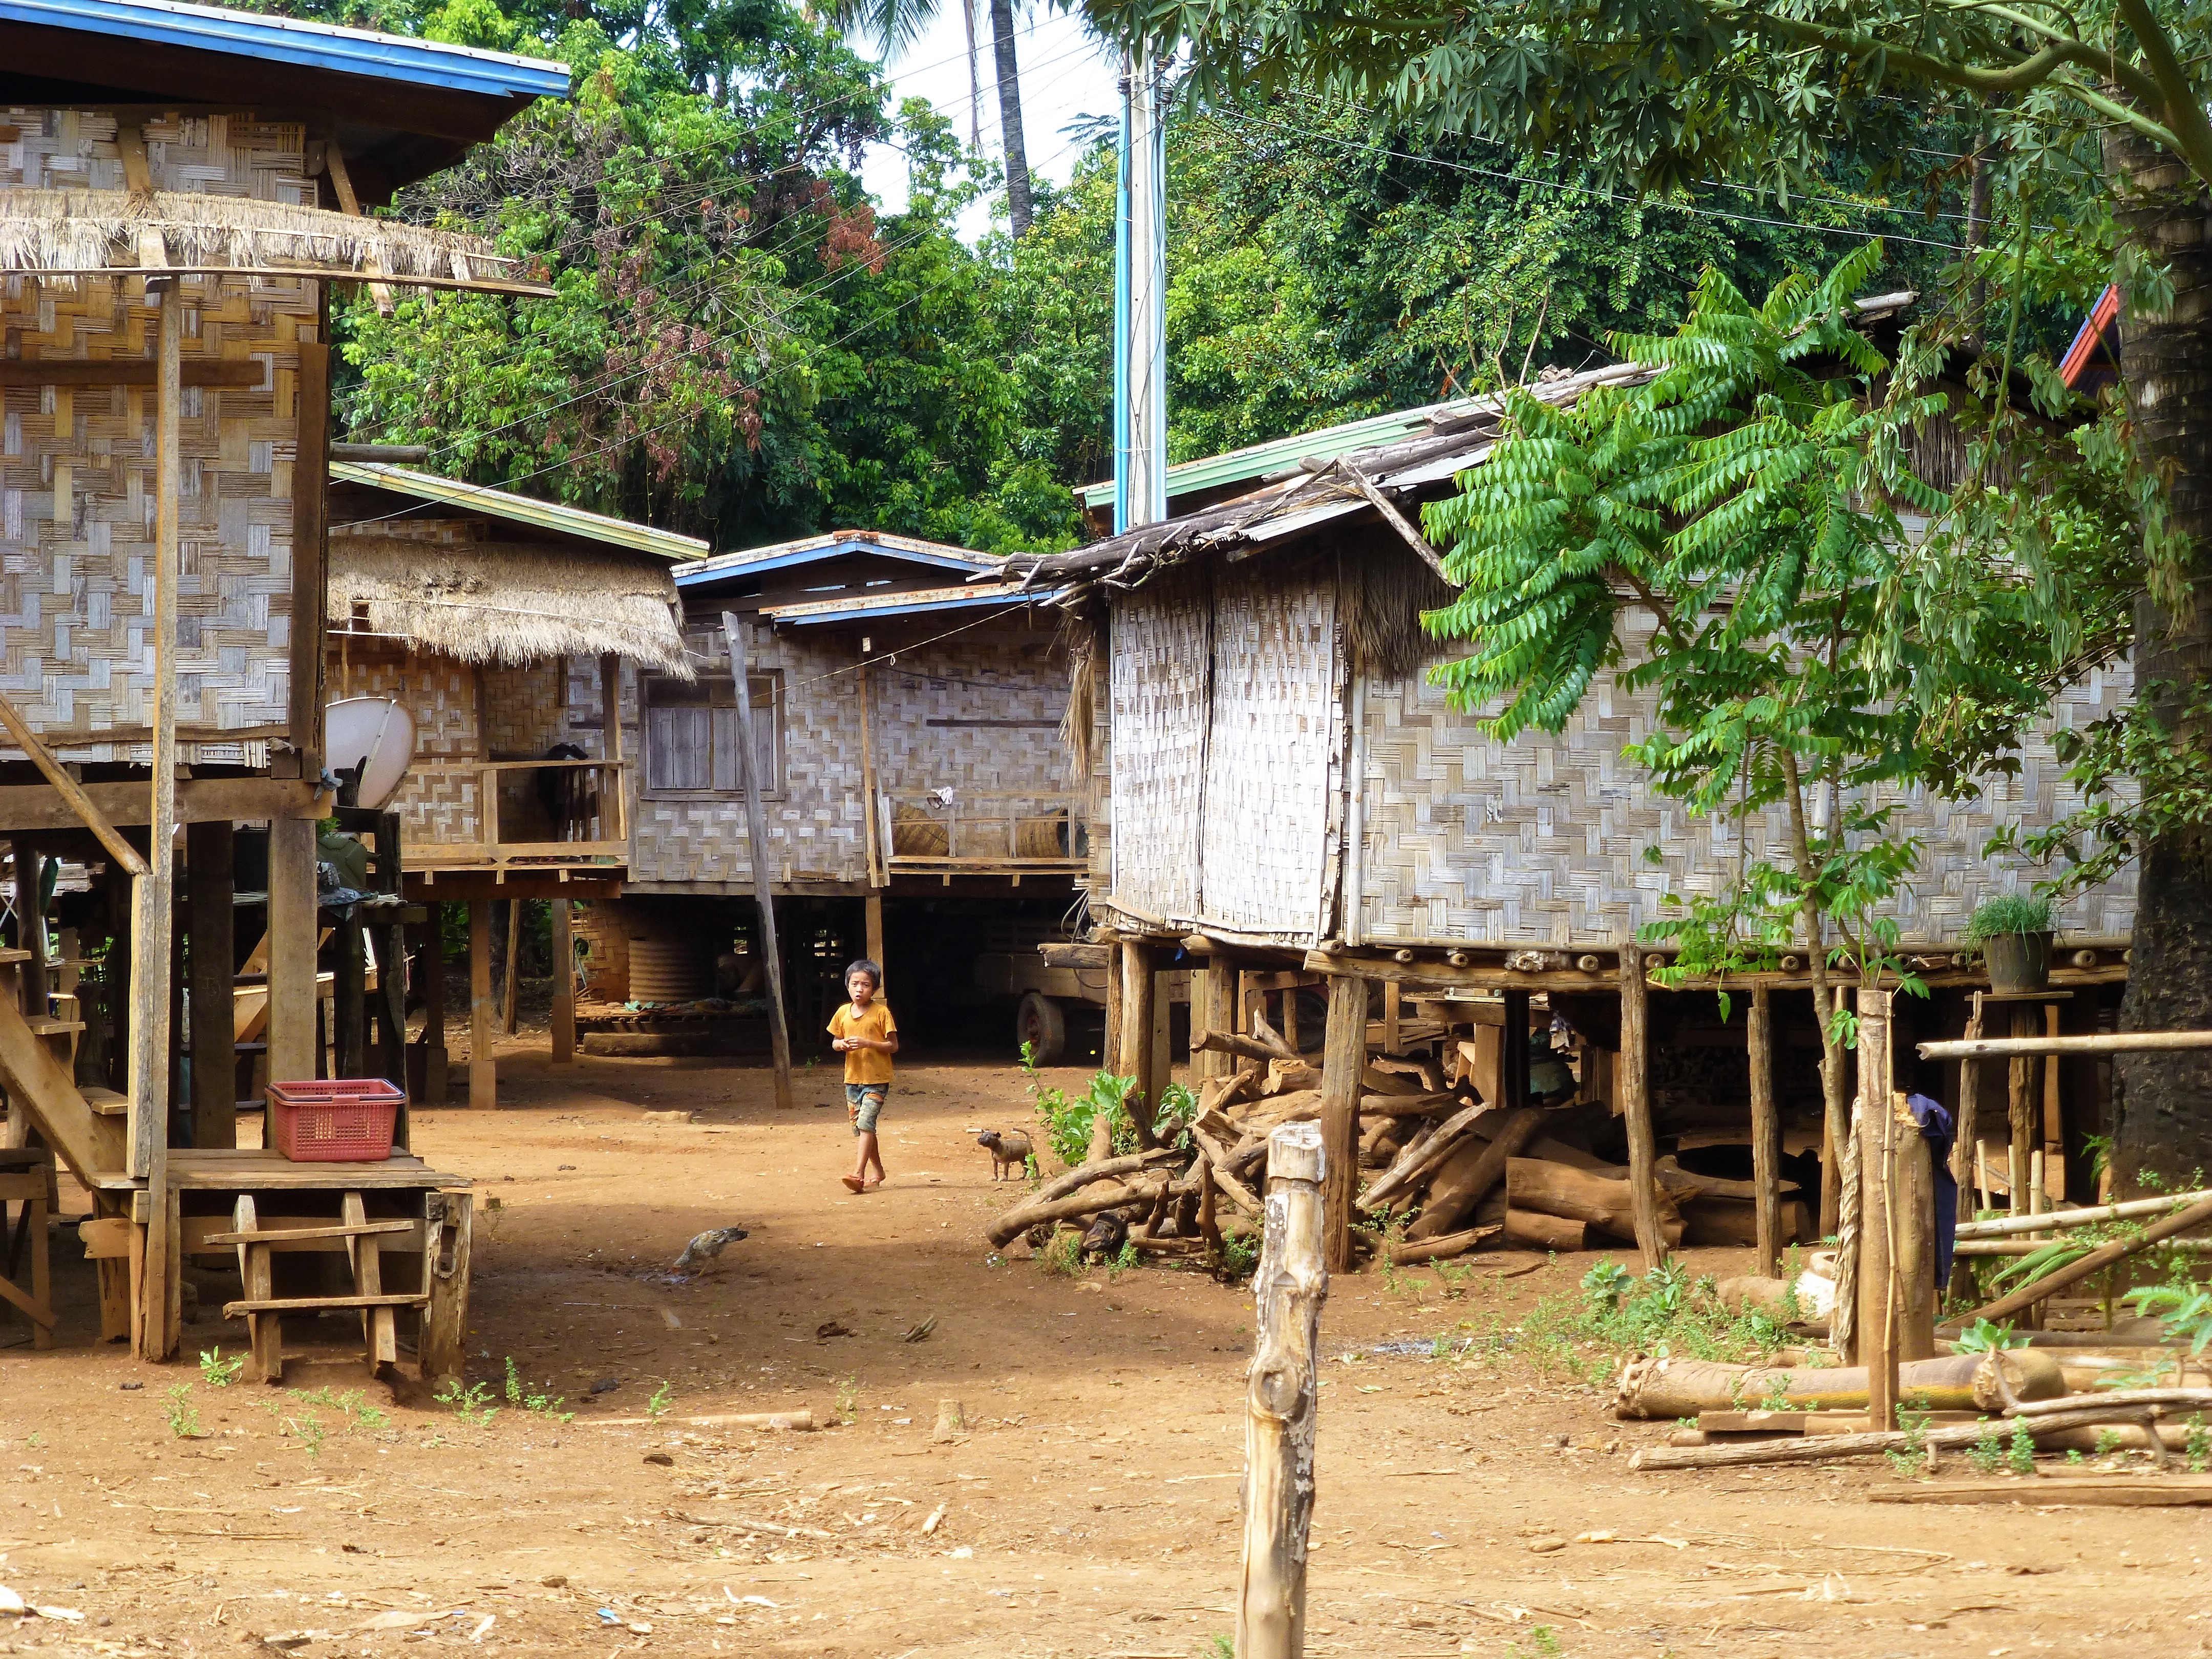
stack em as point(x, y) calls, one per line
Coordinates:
point(870, 1186)
point(853, 1183)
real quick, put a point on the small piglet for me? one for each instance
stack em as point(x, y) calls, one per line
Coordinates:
point(1010, 1150)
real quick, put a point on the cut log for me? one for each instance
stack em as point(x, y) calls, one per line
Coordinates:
point(1715, 1222)
point(1441, 1249)
point(1075, 1207)
point(1426, 1072)
point(1053, 1202)
point(1529, 1230)
point(1664, 1388)
point(1423, 1156)
point(1272, 1039)
point(1290, 1076)
point(1678, 1178)
point(1460, 1185)
point(1374, 1081)
point(1581, 1196)
point(1229, 1043)
point(2124, 1492)
point(1222, 1092)
point(1821, 1448)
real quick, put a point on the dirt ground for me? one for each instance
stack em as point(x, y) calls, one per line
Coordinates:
point(1088, 1509)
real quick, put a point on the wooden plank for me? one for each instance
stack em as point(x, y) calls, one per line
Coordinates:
point(270, 1232)
point(1133, 1057)
point(1213, 1008)
point(311, 485)
point(37, 806)
point(757, 841)
point(379, 1326)
point(127, 371)
point(2024, 1105)
point(265, 1336)
point(510, 989)
point(1765, 1134)
point(483, 1070)
point(210, 868)
point(564, 987)
point(1635, 1088)
point(1875, 1126)
point(444, 1348)
point(319, 1304)
point(77, 805)
point(1343, 1066)
point(2125, 1491)
point(293, 939)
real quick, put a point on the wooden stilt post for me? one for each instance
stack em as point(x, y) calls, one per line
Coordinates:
point(872, 928)
point(483, 1070)
point(1393, 1005)
point(510, 990)
point(1110, 1048)
point(435, 1081)
point(1966, 1160)
point(1213, 1008)
point(294, 1003)
point(1636, 1103)
point(1513, 1052)
point(31, 926)
point(155, 923)
point(2023, 1104)
point(564, 987)
point(1343, 1063)
point(1139, 985)
point(209, 866)
point(1875, 1126)
point(756, 840)
point(1282, 1397)
point(1765, 1134)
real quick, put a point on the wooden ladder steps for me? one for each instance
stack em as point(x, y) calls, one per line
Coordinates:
point(108, 1103)
point(42, 1025)
point(320, 1303)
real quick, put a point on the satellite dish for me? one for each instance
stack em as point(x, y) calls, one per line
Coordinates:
point(377, 734)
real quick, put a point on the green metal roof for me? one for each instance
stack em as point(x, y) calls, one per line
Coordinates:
point(520, 509)
point(1326, 443)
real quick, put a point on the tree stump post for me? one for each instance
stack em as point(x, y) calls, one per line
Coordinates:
point(1139, 984)
point(1281, 1400)
point(1636, 1103)
point(1876, 1127)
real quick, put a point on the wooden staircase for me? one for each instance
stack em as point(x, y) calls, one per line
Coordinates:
point(37, 1053)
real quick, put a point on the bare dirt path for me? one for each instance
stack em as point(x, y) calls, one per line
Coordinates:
point(1088, 1509)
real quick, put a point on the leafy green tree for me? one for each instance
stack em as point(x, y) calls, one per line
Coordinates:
point(1662, 95)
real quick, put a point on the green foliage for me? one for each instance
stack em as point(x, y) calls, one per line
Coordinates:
point(1068, 1119)
point(2009, 913)
point(216, 1372)
point(1129, 1256)
point(1911, 1459)
point(539, 1402)
point(2020, 1455)
point(183, 1416)
point(663, 1398)
point(1666, 1312)
point(2185, 1308)
point(2196, 1446)
point(1608, 1284)
point(470, 1401)
point(1062, 1255)
point(1983, 1336)
point(1987, 1454)
point(1240, 1253)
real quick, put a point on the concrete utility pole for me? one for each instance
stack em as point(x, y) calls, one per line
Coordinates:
point(1140, 283)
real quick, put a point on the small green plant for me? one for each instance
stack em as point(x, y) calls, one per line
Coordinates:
point(471, 1402)
point(1987, 1453)
point(308, 1429)
point(1777, 1396)
point(2019, 1456)
point(848, 1399)
point(1912, 1459)
point(1178, 1106)
point(34, 1440)
point(2186, 1309)
point(1542, 1644)
point(2196, 1448)
point(1608, 1284)
point(1127, 1257)
point(1062, 1255)
point(1068, 1119)
point(539, 1402)
point(1240, 1254)
point(663, 1398)
point(183, 1416)
point(1219, 1646)
point(2009, 913)
point(2074, 1457)
point(216, 1372)
point(2108, 1441)
point(1983, 1336)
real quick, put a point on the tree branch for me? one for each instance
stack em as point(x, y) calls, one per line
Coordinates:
point(2183, 112)
point(2023, 76)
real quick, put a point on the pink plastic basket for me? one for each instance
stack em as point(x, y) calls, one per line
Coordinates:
point(344, 1121)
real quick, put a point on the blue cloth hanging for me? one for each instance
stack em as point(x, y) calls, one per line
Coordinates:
point(1935, 1121)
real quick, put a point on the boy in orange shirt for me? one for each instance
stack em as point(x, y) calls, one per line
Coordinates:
point(865, 1033)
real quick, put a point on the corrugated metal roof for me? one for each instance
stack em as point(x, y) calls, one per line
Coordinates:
point(835, 544)
point(876, 606)
point(519, 509)
point(294, 40)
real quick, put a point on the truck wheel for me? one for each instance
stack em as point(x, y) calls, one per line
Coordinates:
point(1039, 1023)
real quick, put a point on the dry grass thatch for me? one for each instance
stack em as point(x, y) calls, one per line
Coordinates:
point(1387, 588)
point(93, 229)
point(507, 602)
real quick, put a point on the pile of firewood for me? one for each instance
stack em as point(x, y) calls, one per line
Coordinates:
point(1455, 1171)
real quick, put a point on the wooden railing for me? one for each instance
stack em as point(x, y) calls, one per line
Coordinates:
point(538, 813)
point(984, 833)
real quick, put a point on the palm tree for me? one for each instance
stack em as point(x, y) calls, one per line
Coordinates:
point(894, 25)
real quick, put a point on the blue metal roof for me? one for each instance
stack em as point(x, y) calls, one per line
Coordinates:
point(292, 40)
point(807, 612)
point(839, 545)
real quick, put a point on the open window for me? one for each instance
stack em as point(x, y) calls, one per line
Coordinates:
point(692, 736)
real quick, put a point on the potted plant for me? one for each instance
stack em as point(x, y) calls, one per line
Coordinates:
point(2012, 932)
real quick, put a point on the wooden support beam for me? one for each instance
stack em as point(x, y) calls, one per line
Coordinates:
point(2024, 1105)
point(30, 927)
point(510, 989)
point(151, 962)
point(70, 803)
point(872, 925)
point(483, 1070)
point(779, 1028)
point(1875, 1125)
point(1966, 1124)
point(444, 1346)
point(1765, 1134)
point(1636, 1103)
point(103, 807)
point(294, 1003)
point(433, 1008)
point(564, 987)
point(127, 371)
point(2111, 1042)
point(210, 885)
point(311, 483)
point(1139, 985)
point(1110, 1052)
point(1343, 1066)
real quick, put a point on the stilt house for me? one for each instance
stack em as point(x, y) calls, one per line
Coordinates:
point(178, 186)
point(478, 611)
point(907, 720)
point(1289, 802)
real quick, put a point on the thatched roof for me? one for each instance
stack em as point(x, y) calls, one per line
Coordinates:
point(94, 232)
point(508, 603)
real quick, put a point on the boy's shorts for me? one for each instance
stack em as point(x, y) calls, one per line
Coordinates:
point(864, 1103)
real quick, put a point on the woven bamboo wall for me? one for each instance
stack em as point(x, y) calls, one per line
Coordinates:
point(1274, 753)
point(441, 695)
point(817, 824)
point(77, 490)
point(525, 708)
point(1541, 842)
point(1163, 649)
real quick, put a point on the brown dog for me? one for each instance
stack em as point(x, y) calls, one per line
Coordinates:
point(1010, 1150)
